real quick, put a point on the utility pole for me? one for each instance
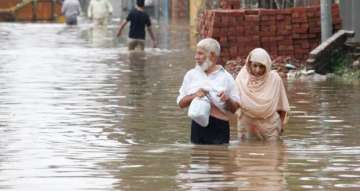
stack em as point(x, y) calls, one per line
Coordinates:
point(326, 20)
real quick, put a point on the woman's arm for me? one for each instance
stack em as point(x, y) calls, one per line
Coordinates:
point(230, 105)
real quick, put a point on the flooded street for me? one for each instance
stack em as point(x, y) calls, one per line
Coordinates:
point(78, 112)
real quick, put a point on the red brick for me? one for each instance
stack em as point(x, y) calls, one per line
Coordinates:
point(252, 18)
point(286, 42)
point(225, 53)
point(285, 53)
point(232, 40)
point(298, 12)
point(254, 28)
point(268, 23)
point(241, 39)
point(268, 28)
point(270, 47)
point(225, 21)
point(314, 30)
point(223, 31)
point(285, 48)
point(233, 52)
point(238, 13)
point(240, 30)
point(284, 11)
point(215, 32)
point(302, 44)
point(299, 20)
point(301, 51)
point(267, 33)
point(301, 28)
point(284, 32)
point(223, 40)
point(252, 11)
point(268, 39)
point(268, 12)
point(232, 31)
point(267, 17)
point(253, 44)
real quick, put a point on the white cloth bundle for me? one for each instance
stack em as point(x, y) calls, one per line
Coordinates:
point(199, 111)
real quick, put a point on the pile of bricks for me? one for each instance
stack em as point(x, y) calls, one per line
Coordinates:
point(307, 29)
point(179, 9)
point(282, 32)
point(230, 4)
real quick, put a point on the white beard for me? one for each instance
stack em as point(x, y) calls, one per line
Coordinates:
point(205, 65)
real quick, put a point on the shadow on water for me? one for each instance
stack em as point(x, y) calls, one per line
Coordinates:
point(80, 112)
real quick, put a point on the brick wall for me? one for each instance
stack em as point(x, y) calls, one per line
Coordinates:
point(282, 32)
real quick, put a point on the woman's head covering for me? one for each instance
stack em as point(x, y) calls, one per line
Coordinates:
point(264, 95)
point(260, 55)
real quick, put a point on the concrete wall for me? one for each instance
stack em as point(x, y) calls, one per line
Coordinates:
point(346, 14)
point(356, 19)
point(118, 9)
point(351, 17)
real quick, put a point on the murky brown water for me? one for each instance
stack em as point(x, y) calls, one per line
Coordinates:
point(77, 112)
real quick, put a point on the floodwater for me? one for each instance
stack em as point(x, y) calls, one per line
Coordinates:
point(78, 112)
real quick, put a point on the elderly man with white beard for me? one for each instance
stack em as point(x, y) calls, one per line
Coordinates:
point(208, 79)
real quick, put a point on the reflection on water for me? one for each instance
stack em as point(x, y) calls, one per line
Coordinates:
point(248, 166)
point(80, 112)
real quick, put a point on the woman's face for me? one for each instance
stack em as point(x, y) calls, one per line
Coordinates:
point(257, 69)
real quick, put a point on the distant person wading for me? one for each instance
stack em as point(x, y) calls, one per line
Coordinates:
point(71, 10)
point(99, 11)
point(139, 20)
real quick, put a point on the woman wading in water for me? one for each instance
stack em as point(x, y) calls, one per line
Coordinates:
point(263, 100)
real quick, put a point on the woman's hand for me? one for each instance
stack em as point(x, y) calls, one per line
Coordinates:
point(230, 105)
point(223, 96)
point(282, 115)
point(282, 128)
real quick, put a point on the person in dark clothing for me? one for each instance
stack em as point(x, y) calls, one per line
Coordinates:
point(139, 20)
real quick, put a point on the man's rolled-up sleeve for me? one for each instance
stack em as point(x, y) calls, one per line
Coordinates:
point(234, 91)
point(183, 89)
